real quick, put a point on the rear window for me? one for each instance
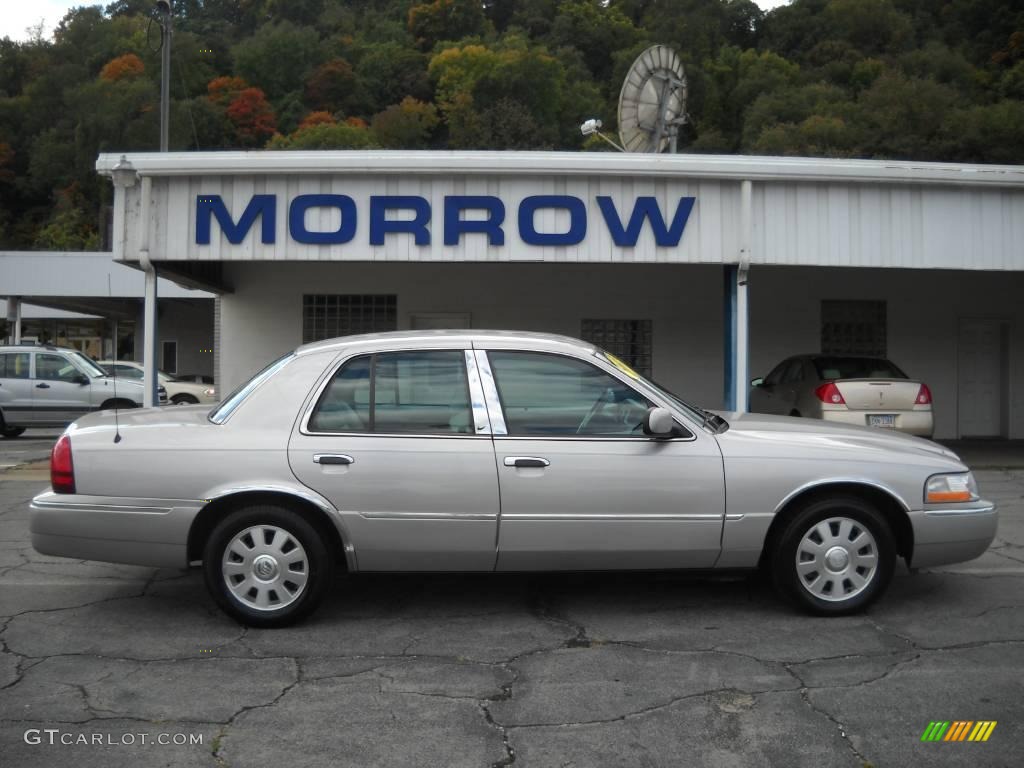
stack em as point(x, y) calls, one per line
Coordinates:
point(220, 414)
point(831, 368)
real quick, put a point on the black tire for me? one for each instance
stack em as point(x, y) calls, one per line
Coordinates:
point(10, 432)
point(317, 567)
point(184, 400)
point(824, 582)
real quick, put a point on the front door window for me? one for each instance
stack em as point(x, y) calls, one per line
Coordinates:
point(550, 395)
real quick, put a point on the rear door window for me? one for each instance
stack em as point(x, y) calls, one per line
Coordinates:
point(415, 392)
point(14, 365)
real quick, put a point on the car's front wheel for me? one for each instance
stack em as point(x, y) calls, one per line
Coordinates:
point(184, 400)
point(266, 566)
point(835, 556)
point(10, 431)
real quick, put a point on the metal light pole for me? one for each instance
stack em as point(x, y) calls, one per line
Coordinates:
point(163, 7)
point(150, 335)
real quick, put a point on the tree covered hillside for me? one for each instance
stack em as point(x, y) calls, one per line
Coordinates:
point(918, 79)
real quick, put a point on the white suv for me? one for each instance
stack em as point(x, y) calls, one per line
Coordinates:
point(52, 386)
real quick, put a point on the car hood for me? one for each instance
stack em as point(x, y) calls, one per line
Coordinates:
point(199, 390)
point(775, 432)
point(129, 385)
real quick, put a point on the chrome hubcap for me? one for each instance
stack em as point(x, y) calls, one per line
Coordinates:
point(836, 559)
point(265, 567)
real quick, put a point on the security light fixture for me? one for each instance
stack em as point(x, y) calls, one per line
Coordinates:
point(593, 127)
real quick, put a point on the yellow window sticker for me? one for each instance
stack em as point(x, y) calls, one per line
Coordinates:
point(621, 366)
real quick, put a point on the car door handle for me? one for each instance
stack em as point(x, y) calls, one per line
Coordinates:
point(526, 461)
point(332, 458)
point(42, 386)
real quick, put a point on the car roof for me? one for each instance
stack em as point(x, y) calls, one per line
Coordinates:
point(468, 334)
point(30, 347)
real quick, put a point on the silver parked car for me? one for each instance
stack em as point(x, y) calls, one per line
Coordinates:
point(48, 386)
point(868, 391)
point(495, 451)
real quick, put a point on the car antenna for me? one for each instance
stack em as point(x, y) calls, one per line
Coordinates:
point(113, 372)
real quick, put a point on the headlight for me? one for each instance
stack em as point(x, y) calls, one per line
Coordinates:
point(942, 489)
point(210, 392)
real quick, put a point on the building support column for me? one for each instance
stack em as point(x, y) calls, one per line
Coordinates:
point(149, 348)
point(736, 320)
point(14, 318)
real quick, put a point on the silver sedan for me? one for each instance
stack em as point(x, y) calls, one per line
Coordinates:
point(495, 451)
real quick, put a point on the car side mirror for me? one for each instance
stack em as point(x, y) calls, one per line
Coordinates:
point(757, 382)
point(81, 379)
point(658, 422)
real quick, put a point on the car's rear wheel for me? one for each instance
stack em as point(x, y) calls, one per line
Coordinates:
point(266, 566)
point(184, 400)
point(835, 556)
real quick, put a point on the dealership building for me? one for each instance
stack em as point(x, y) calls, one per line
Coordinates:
point(702, 271)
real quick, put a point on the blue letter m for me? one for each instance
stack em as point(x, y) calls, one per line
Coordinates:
point(264, 206)
point(646, 208)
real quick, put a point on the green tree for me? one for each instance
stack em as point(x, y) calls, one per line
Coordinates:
point(278, 57)
point(596, 29)
point(430, 23)
point(408, 125)
point(325, 136)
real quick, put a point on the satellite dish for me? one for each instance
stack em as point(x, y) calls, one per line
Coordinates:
point(652, 102)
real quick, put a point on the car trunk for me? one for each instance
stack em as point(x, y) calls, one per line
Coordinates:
point(879, 394)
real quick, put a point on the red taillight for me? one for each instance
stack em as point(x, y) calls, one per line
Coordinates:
point(924, 396)
point(829, 393)
point(62, 470)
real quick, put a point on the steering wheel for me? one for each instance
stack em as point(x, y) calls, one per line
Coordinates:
point(593, 409)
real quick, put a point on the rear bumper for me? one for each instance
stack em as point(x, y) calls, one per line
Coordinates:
point(943, 536)
point(920, 423)
point(151, 532)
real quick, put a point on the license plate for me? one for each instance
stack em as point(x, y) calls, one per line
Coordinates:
point(885, 421)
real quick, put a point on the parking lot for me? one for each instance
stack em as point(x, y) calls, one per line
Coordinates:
point(575, 670)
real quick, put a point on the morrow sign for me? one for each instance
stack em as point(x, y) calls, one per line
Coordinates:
point(490, 219)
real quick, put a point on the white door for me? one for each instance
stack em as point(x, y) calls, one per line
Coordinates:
point(980, 378)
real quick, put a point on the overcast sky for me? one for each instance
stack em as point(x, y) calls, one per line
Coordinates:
point(18, 15)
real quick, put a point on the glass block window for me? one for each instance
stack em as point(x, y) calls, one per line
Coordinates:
point(325, 316)
point(853, 328)
point(628, 340)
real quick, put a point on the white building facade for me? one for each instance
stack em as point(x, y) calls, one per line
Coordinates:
point(703, 271)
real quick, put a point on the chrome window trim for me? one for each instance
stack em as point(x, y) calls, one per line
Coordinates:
point(599, 438)
point(318, 393)
point(481, 422)
point(501, 430)
point(494, 409)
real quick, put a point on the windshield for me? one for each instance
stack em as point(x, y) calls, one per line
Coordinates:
point(220, 414)
point(87, 364)
point(695, 413)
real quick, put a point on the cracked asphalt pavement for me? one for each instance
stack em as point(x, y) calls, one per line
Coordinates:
point(546, 671)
